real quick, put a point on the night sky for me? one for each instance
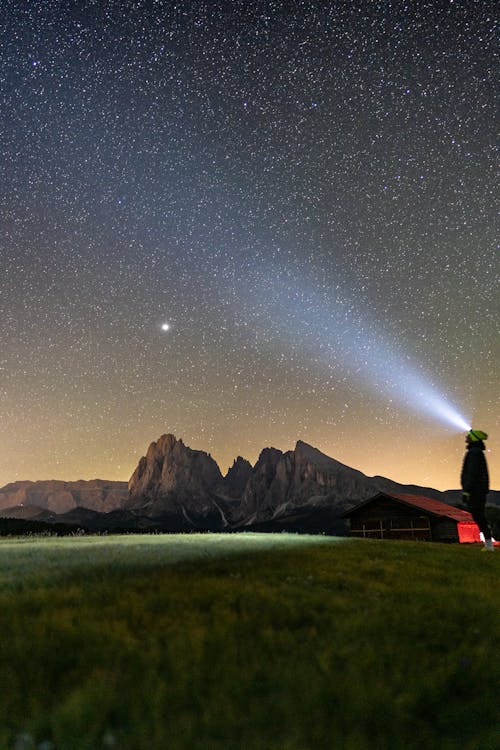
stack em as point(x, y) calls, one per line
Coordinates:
point(303, 192)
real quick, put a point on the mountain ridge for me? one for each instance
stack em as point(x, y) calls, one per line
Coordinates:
point(175, 487)
point(60, 496)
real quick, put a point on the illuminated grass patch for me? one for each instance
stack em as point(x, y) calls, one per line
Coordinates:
point(23, 559)
point(280, 642)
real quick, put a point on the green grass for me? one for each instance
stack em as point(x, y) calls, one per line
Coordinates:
point(251, 642)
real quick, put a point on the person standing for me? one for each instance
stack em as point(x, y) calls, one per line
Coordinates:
point(475, 482)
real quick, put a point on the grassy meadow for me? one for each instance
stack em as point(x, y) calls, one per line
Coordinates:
point(247, 642)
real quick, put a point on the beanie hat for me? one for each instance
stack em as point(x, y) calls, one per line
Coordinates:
point(476, 435)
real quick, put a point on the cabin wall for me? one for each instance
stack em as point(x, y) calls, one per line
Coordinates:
point(385, 509)
point(386, 519)
point(391, 525)
point(444, 530)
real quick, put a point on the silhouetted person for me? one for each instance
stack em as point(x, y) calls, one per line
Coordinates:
point(475, 482)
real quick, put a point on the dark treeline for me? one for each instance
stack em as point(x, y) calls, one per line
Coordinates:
point(22, 527)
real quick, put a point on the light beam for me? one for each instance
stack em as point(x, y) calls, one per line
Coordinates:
point(329, 330)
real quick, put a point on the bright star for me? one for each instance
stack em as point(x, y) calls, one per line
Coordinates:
point(165, 327)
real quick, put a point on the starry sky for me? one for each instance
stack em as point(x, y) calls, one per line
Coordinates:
point(303, 192)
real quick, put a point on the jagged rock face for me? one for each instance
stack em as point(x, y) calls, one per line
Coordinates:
point(318, 475)
point(234, 483)
point(282, 482)
point(60, 497)
point(263, 486)
point(172, 478)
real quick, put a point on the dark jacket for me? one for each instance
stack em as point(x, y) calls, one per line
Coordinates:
point(474, 477)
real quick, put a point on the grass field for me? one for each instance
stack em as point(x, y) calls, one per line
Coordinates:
point(247, 642)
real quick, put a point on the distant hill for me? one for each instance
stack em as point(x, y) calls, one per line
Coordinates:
point(59, 497)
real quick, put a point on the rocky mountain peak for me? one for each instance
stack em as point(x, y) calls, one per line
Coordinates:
point(163, 447)
point(305, 453)
point(235, 481)
point(171, 475)
point(268, 457)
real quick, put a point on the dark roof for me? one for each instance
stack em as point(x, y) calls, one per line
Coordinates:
point(436, 507)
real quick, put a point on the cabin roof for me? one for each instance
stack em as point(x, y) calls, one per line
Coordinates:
point(435, 507)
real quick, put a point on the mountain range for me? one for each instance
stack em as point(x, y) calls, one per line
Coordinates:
point(176, 488)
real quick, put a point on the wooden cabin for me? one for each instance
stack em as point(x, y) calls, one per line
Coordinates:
point(395, 516)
